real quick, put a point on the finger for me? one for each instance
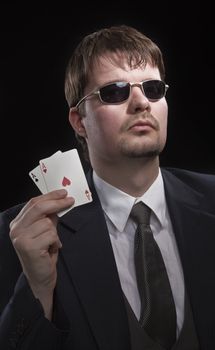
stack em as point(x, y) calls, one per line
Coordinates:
point(58, 194)
point(49, 241)
point(36, 229)
point(54, 219)
point(42, 208)
point(40, 245)
point(53, 249)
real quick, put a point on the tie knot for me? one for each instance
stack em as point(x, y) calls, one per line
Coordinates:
point(140, 213)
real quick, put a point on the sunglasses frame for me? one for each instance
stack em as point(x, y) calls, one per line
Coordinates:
point(140, 85)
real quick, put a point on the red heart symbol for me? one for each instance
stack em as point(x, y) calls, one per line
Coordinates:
point(66, 181)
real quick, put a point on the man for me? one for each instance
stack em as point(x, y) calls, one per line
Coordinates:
point(72, 283)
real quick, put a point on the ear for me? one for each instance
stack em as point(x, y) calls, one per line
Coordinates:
point(76, 121)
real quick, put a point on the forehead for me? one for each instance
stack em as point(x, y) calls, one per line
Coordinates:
point(114, 66)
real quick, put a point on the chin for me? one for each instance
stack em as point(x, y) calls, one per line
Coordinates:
point(143, 153)
point(138, 150)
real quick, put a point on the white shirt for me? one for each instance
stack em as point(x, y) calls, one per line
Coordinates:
point(117, 206)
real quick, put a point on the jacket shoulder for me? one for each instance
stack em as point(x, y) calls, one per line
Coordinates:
point(10, 213)
point(201, 182)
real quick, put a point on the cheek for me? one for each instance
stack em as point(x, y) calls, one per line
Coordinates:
point(101, 125)
point(103, 121)
point(160, 112)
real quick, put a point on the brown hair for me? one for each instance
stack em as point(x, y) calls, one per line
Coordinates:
point(134, 45)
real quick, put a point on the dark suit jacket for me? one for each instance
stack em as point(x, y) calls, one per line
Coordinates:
point(89, 310)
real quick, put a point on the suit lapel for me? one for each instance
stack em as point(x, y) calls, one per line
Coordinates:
point(194, 229)
point(88, 255)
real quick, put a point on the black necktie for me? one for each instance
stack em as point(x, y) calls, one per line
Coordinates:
point(158, 316)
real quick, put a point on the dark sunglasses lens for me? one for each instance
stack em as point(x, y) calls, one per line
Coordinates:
point(154, 89)
point(115, 93)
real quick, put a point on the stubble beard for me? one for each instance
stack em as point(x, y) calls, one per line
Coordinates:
point(143, 144)
point(140, 150)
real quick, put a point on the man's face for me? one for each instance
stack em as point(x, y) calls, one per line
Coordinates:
point(136, 128)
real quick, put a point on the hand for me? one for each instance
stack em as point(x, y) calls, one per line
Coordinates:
point(34, 236)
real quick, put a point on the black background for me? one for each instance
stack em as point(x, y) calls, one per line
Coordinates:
point(34, 115)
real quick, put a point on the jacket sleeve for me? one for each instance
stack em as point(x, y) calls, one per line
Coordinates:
point(23, 325)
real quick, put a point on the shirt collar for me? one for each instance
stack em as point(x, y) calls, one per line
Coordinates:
point(117, 204)
point(154, 197)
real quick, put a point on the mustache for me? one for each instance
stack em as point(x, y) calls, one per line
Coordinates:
point(145, 118)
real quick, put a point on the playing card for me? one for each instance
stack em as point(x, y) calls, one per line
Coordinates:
point(66, 171)
point(43, 167)
point(38, 179)
point(37, 176)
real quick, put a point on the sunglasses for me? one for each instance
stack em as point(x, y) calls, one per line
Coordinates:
point(119, 92)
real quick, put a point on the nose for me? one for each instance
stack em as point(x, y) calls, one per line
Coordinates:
point(138, 102)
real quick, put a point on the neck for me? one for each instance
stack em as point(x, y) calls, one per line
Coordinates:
point(133, 176)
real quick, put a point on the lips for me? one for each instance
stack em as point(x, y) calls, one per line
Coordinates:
point(141, 124)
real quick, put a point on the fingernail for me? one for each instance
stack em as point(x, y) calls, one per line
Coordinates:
point(62, 191)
